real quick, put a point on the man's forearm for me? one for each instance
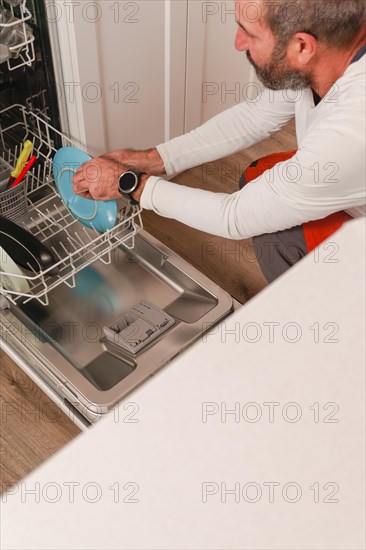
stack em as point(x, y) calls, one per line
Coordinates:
point(232, 130)
point(148, 161)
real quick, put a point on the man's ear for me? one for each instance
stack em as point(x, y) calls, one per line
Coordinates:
point(302, 48)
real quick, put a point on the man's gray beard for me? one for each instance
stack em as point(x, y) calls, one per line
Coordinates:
point(277, 75)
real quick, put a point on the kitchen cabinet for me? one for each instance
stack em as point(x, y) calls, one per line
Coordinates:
point(135, 74)
point(218, 76)
point(123, 71)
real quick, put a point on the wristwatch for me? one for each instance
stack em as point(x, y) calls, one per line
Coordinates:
point(128, 182)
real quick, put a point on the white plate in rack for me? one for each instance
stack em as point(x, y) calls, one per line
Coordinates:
point(11, 276)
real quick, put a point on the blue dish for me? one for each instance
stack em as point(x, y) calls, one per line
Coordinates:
point(99, 215)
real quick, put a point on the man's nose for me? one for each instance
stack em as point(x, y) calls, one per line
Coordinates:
point(241, 41)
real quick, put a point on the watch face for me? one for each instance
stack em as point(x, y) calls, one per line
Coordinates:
point(128, 182)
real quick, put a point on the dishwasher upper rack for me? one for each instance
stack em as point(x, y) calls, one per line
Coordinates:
point(47, 218)
point(22, 52)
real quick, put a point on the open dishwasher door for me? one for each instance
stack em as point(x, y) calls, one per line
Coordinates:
point(120, 324)
point(121, 304)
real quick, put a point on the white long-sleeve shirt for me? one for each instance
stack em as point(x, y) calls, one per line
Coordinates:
point(326, 175)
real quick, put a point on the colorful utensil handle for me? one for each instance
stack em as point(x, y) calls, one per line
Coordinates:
point(22, 159)
point(27, 167)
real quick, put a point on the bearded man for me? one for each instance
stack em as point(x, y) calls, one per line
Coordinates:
point(310, 57)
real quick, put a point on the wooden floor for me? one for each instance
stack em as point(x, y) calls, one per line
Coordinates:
point(31, 428)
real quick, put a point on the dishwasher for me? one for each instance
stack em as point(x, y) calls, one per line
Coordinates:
point(122, 305)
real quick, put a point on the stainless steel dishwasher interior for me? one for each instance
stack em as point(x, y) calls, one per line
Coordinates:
point(67, 339)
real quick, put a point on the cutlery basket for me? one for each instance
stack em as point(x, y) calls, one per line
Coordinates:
point(13, 203)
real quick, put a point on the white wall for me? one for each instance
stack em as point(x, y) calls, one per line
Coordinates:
point(136, 73)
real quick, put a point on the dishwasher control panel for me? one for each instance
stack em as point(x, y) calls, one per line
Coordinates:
point(143, 323)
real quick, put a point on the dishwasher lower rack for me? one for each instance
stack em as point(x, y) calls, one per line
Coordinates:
point(74, 246)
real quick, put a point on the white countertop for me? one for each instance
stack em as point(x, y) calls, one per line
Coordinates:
point(159, 482)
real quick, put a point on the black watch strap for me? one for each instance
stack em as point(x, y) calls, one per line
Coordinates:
point(128, 195)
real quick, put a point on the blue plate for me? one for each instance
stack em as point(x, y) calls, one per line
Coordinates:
point(99, 215)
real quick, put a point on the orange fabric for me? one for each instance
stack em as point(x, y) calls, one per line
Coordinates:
point(266, 163)
point(315, 231)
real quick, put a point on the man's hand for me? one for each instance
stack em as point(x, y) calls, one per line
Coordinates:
point(98, 178)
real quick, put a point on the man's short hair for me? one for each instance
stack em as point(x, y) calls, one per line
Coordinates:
point(334, 22)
